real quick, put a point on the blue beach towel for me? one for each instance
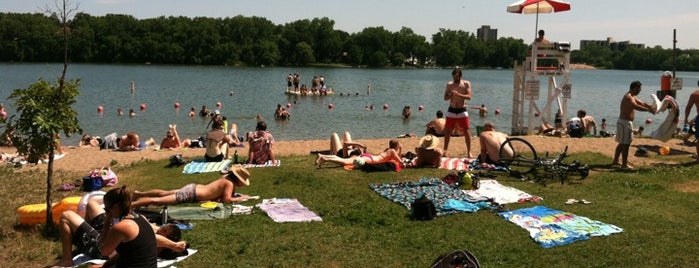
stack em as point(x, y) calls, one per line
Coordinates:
point(201, 166)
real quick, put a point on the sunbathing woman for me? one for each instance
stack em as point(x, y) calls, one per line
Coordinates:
point(347, 147)
point(392, 153)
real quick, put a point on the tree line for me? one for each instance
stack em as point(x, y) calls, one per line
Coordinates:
point(256, 41)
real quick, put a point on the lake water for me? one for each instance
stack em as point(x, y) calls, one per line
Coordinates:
point(259, 90)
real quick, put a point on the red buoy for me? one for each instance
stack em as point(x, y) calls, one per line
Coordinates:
point(385, 106)
point(420, 108)
point(177, 105)
point(331, 106)
point(497, 111)
point(100, 109)
point(648, 121)
point(143, 107)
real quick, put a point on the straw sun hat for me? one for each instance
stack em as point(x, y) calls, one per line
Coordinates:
point(429, 142)
point(240, 173)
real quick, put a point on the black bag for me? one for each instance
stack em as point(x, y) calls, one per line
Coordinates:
point(423, 209)
point(457, 258)
point(176, 160)
point(92, 183)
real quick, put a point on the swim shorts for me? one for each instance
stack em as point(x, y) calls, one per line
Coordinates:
point(457, 116)
point(217, 158)
point(86, 238)
point(186, 194)
point(624, 131)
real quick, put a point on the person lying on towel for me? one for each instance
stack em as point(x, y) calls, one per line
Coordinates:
point(221, 190)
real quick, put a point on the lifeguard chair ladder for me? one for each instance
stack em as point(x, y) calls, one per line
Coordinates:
point(526, 86)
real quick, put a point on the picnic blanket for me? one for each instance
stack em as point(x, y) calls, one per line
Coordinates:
point(287, 210)
point(550, 227)
point(269, 163)
point(201, 166)
point(500, 194)
point(82, 258)
point(447, 198)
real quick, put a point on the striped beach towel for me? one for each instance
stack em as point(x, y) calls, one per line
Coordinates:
point(201, 166)
point(269, 163)
point(455, 163)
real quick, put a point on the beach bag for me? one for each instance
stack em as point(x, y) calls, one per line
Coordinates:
point(453, 179)
point(176, 160)
point(457, 258)
point(423, 209)
point(109, 178)
point(91, 183)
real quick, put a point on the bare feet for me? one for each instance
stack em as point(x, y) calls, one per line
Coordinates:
point(319, 162)
point(627, 166)
point(136, 195)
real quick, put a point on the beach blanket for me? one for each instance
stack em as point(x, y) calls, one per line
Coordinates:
point(666, 130)
point(199, 213)
point(455, 163)
point(82, 259)
point(287, 210)
point(201, 166)
point(500, 194)
point(550, 227)
point(447, 198)
point(269, 163)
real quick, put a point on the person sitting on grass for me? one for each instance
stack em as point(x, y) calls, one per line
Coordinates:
point(391, 154)
point(222, 190)
point(491, 141)
point(428, 153)
point(261, 142)
point(217, 141)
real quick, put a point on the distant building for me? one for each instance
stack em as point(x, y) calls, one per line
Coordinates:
point(485, 33)
point(611, 44)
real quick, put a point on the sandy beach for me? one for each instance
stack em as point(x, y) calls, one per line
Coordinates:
point(83, 159)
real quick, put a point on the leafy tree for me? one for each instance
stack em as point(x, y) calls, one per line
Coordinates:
point(304, 54)
point(45, 110)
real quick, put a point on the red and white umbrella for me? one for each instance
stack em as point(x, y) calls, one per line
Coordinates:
point(536, 7)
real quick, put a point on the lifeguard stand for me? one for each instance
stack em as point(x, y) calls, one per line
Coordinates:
point(549, 62)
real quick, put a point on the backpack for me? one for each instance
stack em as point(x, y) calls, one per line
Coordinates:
point(423, 209)
point(176, 160)
point(457, 258)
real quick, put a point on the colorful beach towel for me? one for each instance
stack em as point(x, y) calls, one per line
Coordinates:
point(189, 213)
point(201, 166)
point(287, 210)
point(455, 163)
point(83, 259)
point(500, 194)
point(447, 198)
point(550, 227)
point(269, 163)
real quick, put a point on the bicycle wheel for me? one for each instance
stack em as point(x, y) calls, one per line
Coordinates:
point(518, 156)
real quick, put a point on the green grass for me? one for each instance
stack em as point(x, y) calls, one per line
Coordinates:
point(362, 229)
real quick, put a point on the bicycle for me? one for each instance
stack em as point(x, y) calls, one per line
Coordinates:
point(521, 161)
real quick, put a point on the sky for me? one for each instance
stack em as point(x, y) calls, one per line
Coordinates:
point(649, 22)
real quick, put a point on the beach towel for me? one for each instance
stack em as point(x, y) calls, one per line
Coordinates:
point(190, 213)
point(667, 129)
point(455, 163)
point(82, 259)
point(287, 210)
point(201, 166)
point(269, 163)
point(550, 227)
point(500, 194)
point(447, 198)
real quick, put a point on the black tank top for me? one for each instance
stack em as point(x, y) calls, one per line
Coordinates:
point(141, 251)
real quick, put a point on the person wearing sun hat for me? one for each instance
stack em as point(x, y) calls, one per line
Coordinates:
point(428, 152)
point(222, 189)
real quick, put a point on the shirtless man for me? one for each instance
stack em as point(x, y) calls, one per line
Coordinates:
point(217, 141)
point(221, 190)
point(436, 126)
point(624, 126)
point(692, 102)
point(491, 141)
point(457, 93)
point(428, 152)
point(588, 122)
point(129, 142)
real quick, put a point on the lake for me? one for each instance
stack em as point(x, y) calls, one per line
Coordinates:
point(259, 90)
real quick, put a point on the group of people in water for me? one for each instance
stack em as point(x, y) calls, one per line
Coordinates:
point(318, 87)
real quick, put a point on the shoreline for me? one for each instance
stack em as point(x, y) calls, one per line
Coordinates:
point(84, 159)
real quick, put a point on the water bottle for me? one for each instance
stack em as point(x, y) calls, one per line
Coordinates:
point(163, 213)
point(235, 157)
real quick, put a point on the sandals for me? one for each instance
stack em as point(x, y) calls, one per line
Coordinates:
point(574, 201)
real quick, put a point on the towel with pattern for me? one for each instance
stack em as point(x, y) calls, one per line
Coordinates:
point(80, 259)
point(287, 210)
point(201, 166)
point(500, 194)
point(269, 163)
point(550, 227)
point(444, 195)
point(455, 163)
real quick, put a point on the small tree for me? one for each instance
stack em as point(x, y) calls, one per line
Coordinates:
point(45, 111)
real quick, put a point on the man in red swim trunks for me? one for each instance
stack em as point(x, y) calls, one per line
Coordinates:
point(457, 93)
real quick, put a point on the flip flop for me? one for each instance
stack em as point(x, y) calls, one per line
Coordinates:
point(571, 201)
point(583, 201)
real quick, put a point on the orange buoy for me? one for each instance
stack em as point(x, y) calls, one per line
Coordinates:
point(664, 150)
point(143, 107)
point(100, 109)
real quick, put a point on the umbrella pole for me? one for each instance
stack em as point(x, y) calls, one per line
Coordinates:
point(536, 26)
